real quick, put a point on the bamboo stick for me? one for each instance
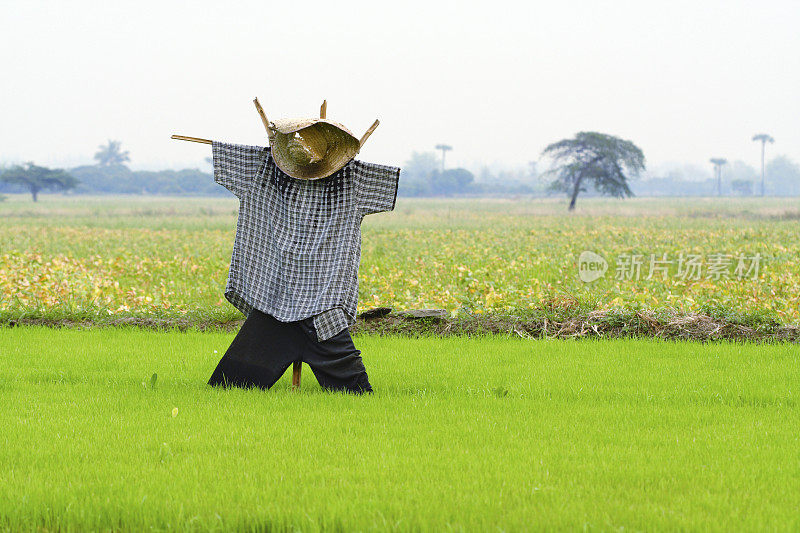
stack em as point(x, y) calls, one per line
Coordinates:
point(263, 116)
point(192, 139)
point(368, 133)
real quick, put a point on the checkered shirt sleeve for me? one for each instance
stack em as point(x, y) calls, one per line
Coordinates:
point(236, 165)
point(376, 187)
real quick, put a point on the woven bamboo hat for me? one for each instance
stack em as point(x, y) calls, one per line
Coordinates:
point(311, 148)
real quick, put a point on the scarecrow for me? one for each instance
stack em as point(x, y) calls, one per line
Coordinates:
point(294, 266)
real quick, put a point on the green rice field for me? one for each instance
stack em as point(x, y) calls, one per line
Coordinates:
point(463, 434)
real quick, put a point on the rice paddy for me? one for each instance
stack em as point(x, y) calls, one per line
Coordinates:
point(465, 434)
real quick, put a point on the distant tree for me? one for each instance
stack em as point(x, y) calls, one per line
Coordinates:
point(742, 177)
point(486, 174)
point(739, 170)
point(36, 179)
point(111, 154)
point(115, 179)
point(685, 172)
point(603, 160)
point(742, 187)
point(533, 171)
point(415, 176)
point(784, 176)
point(413, 188)
point(718, 162)
point(764, 138)
point(420, 165)
point(451, 181)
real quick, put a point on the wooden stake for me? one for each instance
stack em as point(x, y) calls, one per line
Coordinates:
point(263, 116)
point(323, 110)
point(368, 132)
point(192, 139)
point(297, 367)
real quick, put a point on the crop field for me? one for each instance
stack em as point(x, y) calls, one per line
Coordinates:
point(464, 434)
point(168, 257)
point(116, 429)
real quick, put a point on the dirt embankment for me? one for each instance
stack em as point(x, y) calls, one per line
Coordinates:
point(431, 322)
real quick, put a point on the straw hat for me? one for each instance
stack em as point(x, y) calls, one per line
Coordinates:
point(311, 148)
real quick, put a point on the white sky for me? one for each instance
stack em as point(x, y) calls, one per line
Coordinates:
point(685, 80)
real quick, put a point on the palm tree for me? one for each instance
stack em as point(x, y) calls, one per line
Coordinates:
point(718, 162)
point(764, 138)
point(444, 148)
point(111, 154)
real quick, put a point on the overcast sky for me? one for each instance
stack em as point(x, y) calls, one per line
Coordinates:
point(685, 80)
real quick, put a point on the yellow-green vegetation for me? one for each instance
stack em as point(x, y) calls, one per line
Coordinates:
point(462, 434)
point(120, 256)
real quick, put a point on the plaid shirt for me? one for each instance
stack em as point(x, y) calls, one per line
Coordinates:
point(298, 242)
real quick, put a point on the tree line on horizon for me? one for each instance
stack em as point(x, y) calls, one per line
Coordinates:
point(423, 175)
point(597, 164)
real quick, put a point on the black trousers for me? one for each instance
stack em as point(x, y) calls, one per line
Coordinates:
point(265, 347)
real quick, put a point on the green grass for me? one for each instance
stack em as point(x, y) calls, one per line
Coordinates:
point(463, 433)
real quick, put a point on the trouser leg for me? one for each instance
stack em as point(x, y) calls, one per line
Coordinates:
point(259, 354)
point(336, 362)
